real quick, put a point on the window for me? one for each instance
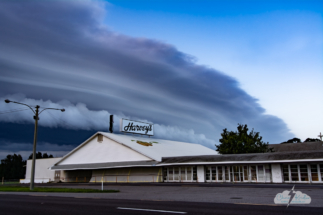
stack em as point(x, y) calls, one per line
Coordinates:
point(176, 174)
point(294, 172)
point(194, 173)
point(170, 172)
point(321, 170)
point(304, 172)
point(165, 174)
point(214, 173)
point(220, 173)
point(189, 173)
point(261, 173)
point(100, 138)
point(286, 172)
point(207, 173)
point(268, 173)
point(245, 173)
point(314, 172)
point(183, 174)
point(227, 173)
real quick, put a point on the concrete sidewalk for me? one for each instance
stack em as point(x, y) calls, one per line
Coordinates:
point(189, 193)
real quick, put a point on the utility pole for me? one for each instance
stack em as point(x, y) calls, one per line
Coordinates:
point(32, 180)
point(36, 118)
point(320, 136)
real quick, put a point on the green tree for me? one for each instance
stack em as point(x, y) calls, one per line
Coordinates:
point(39, 155)
point(294, 140)
point(241, 142)
point(13, 167)
point(312, 140)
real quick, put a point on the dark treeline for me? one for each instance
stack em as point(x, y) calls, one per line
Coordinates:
point(297, 140)
point(14, 166)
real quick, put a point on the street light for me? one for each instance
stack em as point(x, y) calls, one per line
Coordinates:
point(36, 118)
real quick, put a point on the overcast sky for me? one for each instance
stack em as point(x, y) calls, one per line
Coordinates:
point(192, 68)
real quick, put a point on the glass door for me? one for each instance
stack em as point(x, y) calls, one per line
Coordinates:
point(236, 173)
point(253, 173)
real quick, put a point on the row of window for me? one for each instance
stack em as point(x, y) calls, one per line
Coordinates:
point(180, 174)
point(241, 173)
point(303, 172)
point(245, 173)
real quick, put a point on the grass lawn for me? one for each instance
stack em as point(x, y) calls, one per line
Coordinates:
point(53, 189)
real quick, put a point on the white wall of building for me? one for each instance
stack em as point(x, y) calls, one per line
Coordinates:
point(42, 172)
point(128, 175)
point(103, 152)
point(276, 173)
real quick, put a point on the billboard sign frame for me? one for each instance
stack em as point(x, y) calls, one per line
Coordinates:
point(136, 127)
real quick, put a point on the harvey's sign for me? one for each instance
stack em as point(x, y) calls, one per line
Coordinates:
point(130, 126)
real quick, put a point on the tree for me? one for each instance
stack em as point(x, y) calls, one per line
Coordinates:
point(294, 140)
point(39, 155)
point(13, 167)
point(240, 142)
point(312, 140)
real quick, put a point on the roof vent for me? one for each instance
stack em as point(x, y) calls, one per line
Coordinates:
point(100, 138)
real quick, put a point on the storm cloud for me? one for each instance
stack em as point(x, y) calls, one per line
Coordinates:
point(63, 53)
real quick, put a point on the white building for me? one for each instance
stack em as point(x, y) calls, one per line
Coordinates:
point(124, 158)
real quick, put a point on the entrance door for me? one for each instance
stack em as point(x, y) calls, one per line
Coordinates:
point(245, 174)
point(236, 172)
point(253, 173)
point(57, 175)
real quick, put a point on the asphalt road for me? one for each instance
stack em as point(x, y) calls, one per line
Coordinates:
point(234, 194)
point(37, 204)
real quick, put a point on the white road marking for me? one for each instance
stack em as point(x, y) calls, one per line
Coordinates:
point(162, 211)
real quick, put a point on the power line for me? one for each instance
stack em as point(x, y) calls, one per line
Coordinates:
point(12, 111)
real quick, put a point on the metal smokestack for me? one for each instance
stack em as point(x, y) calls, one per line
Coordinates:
point(111, 124)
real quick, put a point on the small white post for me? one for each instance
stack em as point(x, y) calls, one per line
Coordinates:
point(102, 184)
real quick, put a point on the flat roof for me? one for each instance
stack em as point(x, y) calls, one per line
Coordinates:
point(289, 147)
point(256, 157)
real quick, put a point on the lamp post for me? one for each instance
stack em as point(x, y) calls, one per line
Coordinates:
point(36, 118)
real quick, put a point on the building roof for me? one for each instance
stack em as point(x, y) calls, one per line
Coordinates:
point(105, 165)
point(289, 147)
point(152, 148)
point(305, 156)
point(160, 148)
